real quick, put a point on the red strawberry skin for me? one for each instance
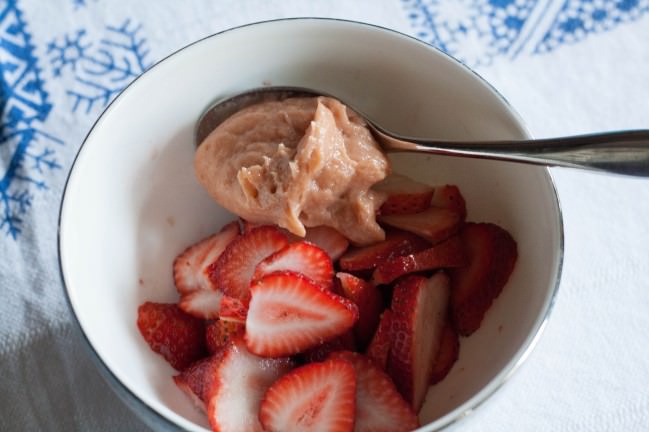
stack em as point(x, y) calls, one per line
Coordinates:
point(191, 268)
point(379, 406)
point(379, 347)
point(198, 379)
point(404, 195)
point(316, 396)
point(396, 243)
point(449, 253)
point(233, 271)
point(369, 300)
point(299, 257)
point(418, 316)
point(492, 255)
point(219, 332)
point(344, 342)
point(449, 352)
point(232, 309)
point(289, 314)
point(238, 386)
point(434, 224)
point(170, 332)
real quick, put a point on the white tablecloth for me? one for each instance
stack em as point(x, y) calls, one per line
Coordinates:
point(567, 66)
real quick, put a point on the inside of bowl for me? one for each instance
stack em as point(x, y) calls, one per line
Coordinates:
point(132, 202)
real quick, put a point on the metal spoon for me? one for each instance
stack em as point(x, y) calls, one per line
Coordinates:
point(621, 152)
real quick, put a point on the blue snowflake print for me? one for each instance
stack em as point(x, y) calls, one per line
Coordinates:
point(473, 31)
point(27, 154)
point(578, 18)
point(101, 69)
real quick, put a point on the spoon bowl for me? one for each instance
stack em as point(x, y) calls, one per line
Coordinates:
point(620, 152)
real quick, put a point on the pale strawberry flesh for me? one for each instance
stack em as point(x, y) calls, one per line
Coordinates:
point(404, 195)
point(450, 197)
point(379, 406)
point(328, 239)
point(318, 397)
point(203, 303)
point(289, 314)
point(299, 257)
point(434, 224)
point(191, 268)
point(197, 380)
point(418, 318)
point(449, 352)
point(239, 385)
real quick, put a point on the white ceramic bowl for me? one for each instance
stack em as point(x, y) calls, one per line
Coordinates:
point(132, 203)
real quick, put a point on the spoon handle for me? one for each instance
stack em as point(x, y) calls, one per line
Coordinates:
point(623, 152)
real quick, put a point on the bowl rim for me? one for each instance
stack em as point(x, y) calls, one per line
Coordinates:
point(156, 419)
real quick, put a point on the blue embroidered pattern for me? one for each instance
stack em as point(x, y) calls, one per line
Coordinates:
point(26, 155)
point(101, 69)
point(579, 18)
point(477, 31)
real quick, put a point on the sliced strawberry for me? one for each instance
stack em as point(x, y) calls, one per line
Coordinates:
point(232, 309)
point(202, 303)
point(289, 313)
point(379, 347)
point(238, 386)
point(434, 224)
point(418, 318)
point(313, 397)
point(447, 355)
point(449, 253)
point(233, 271)
point(247, 226)
point(328, 239)
point(218, 333)
point(396, 243)
point(299, 257)
point(197, 380)
point(450, 197)
point(369, 300)
point(379, 406)
point(170, 332)
point(190, 268)
point(492, 254)
point(344, 342)
point(405, 195)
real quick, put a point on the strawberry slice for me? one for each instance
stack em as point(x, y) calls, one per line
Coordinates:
point(327, 239)
point(379, 406)
point(197, 380)
point(238, 385)
point(289, 313)
point(219, 332)
point(405, 195)
point(449, 351)
point(434, 224)
point(313, 397)
point(233, 310)
point(369, 300)
point(450, 197)
point(449, 253)
point(299, 257)
point(492, 254)
point(190, 268)
point(170, 332)
point(418, 318)
point(344, 342)
point(379, 347)
point(233, 271)
point(202, 303)
point(396, 243)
